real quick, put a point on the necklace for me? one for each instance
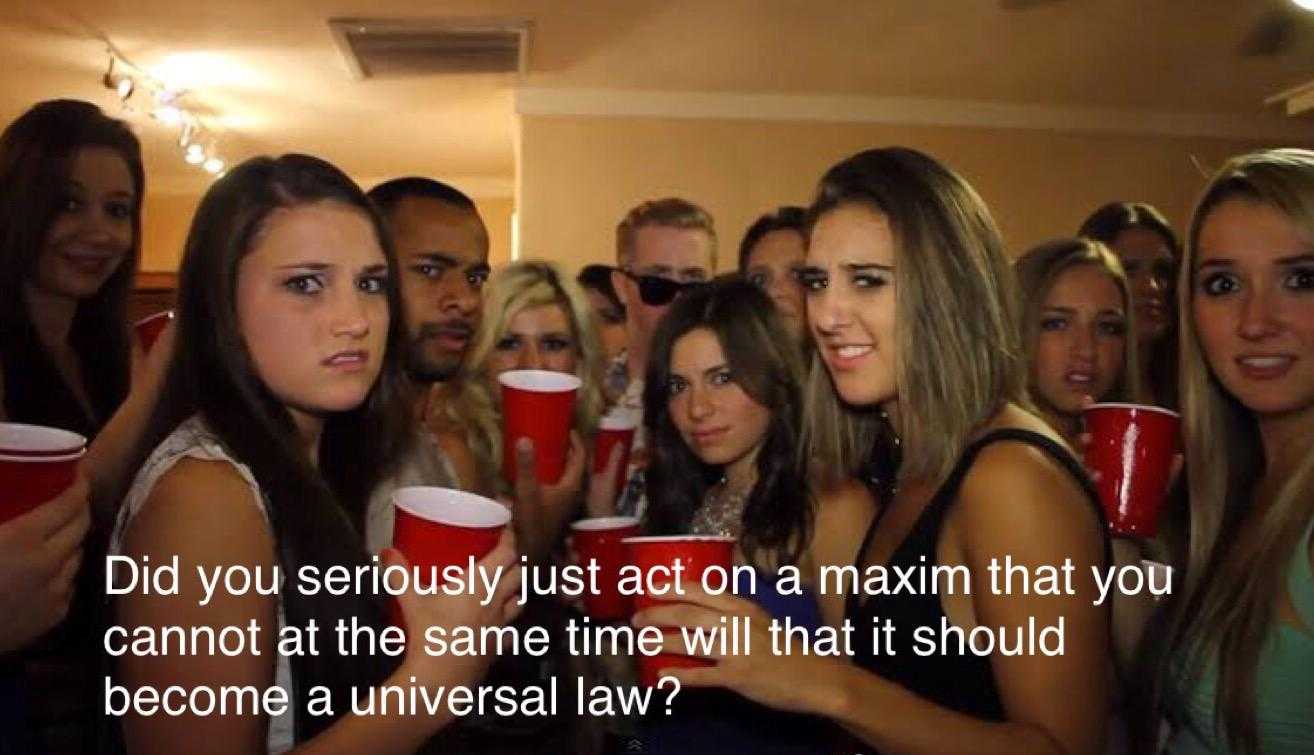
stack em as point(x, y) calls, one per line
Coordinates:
point(722, 512)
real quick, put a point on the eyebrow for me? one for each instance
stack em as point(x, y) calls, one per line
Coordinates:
point(440, 258)
point(862, 267)
point(83, 187)
point(1295, 259)
point(715, 369)
point(316, 266)
point(657, 269)
point(372, 269)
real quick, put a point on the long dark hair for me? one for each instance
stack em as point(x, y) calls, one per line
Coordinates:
point(764, 361)
point(1105, 224)
point(36, 158)
point(316, 514)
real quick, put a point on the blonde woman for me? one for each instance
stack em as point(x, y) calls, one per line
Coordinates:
point(1076, 321)
point(911, 305)
point(1237, 671)
point(533, 318)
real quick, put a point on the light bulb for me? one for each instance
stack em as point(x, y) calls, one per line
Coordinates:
point(1304, 4)
point(194, 158)
point(168, 115)
point(214, 165)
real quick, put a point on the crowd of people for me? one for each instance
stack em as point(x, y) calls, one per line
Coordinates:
point(877, 383)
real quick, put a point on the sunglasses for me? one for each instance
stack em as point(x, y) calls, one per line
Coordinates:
point(656, 291)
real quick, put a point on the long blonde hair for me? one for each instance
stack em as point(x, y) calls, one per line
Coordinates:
point(1039, 268)
point(475, 408)
point(958, 354)
point(1238, 558)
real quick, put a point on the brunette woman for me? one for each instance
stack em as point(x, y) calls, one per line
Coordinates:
point(282, 411)
point(1150, 252)
point(915, 386)
point(723, 406)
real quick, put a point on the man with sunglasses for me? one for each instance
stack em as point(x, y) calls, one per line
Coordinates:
point(663, 247)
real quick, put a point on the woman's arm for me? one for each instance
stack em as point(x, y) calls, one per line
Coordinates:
point(204, 514)
point(842, 515)
point(109, 457)
point(1016, 503)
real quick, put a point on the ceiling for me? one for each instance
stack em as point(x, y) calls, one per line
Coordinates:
point(282, 86)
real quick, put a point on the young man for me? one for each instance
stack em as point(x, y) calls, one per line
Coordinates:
point(442, 250)
point(663, 246)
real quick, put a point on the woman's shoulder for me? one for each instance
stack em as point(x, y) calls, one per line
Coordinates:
point(190, 471)
point(1026, 481)
point(844, 502)
point(843, 512)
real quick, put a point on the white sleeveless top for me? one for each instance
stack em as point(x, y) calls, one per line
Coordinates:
point(193, 439)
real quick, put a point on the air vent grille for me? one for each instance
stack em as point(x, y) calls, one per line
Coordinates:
point(376, 48)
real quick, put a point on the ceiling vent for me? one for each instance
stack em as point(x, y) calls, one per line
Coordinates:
point(399, 47)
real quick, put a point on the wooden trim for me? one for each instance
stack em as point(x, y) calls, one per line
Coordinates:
point(156, 281)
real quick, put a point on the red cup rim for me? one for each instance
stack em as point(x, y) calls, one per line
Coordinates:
point(44, 459)
point(168, 314)
point(1138, 407)
point(458, 507)
point(618, 421)
point(604, 523)
point(540, 381)
point(55, 440)
point(644, 539)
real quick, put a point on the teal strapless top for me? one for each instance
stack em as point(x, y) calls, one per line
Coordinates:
point(1284, 685)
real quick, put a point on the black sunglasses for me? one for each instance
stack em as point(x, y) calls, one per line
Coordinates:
point(656, 291)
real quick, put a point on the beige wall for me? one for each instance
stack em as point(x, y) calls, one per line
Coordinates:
point(166, 218)
point(580, 174)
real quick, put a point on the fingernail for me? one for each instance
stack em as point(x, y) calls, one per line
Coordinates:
point(524, 444)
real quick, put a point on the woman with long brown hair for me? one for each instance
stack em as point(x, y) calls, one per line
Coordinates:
point(918, 369)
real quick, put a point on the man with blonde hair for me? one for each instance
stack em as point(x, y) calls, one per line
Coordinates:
point(663, 246)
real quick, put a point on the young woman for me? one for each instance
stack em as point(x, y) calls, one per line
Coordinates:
point(911, 305)
point(1237, 667)
point(608, 312)
point(281, 411)
point(1150, 252)
point(1076, 317)
point(769, 257)
point(71, 181)
point(71, 186)
point(723, 407)
point(533, 319)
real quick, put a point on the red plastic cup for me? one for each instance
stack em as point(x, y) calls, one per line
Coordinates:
point(616, 427)
point(439, 527)
point(26, 482)
point(17, 439)
point(539, 405)
point(149, 328)
point(698, 553)
point(1132, 448)
point(601, 540)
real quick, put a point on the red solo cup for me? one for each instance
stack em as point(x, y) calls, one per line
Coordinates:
point(537, 404)
point(616, 427)
point(1132, 448)
point(698, 553)
point(439, 527)
point(600, 540)
point(26, 482)
point(149, 328)
point(35, 440)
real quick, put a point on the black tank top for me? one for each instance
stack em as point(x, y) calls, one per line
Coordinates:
point(964, 683)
